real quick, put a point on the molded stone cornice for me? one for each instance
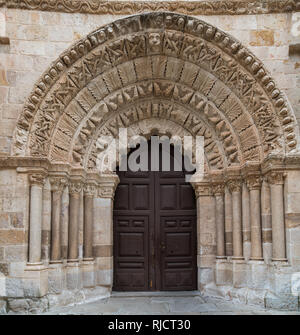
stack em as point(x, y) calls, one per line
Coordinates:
point(212, 7)
point(26, 162)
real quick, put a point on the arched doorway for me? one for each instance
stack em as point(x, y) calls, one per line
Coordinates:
point(180, 76)
point(155, 244)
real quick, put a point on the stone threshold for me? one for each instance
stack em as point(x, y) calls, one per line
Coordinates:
point(135, 294)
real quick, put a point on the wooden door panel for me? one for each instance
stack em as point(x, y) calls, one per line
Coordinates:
point(178, 252)
point(131, 256)
point(154, 232)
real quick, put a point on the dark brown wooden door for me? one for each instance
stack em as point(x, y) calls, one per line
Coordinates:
point(154, 232)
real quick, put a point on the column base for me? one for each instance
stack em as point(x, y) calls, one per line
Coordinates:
point(261, 259)
point(56, 261)
point(35, 266)
point(88, 259)
point(284, 260)
point(237, 258)
point(75, 260)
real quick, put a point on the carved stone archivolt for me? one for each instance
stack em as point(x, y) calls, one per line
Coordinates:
point(212, 7)
point(202, 79)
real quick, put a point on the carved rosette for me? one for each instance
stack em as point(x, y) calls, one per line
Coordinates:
point(58, 183)
point(37, 179)
point(75, 187)
point(234, 185)
point(254, 182)
point(276, 178)
point(90, 189)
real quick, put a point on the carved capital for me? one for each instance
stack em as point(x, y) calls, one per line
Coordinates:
point(37, 179)
point(218, 188)
point(234, 185)
point(75, 186)
point(90, 189)
point(276, 178)
point(254, 182)
point(202, 189)
point(58, 183)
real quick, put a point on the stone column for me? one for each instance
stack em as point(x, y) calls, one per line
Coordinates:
point(206, 233)
point(75, 187)
point(89, 194)
point(228, 222)
point(254, 185)
point(35, 228)
point(266, 221)
point(103, 229)
point(246, 222)
point(218, 191)
point(276, 181)
point(57, 186)
point(235, 189)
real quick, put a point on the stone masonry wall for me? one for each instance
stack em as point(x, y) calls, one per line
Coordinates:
point(37, 39)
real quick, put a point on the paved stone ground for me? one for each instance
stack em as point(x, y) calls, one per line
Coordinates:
point(181, 303)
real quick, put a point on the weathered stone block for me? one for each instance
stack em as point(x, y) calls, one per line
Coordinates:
point(223, 273)
point(282, 302)
point(239, 274)
point(14, 287)
point(2, 286)
point(105, 277)
point(262, 37)
point(73, 277)
point(3, 307)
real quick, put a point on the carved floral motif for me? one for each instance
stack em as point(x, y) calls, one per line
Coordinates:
point(213, 7)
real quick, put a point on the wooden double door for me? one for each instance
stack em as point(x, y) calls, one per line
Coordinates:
point(154, 232)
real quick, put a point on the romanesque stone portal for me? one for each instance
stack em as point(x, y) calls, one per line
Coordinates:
point(173, 75)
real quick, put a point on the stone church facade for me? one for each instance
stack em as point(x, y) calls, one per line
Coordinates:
point(70, 73)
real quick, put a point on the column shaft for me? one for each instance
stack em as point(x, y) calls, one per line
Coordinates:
point(278, 227)
point(246, 222)
point(55, 226)
point(255, 217)
point(235, 188)
point(228, 223)
point(75, 189)
point(220, 225)
point(88, 227)
point(35, 229)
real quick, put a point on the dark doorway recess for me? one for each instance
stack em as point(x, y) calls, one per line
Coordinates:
point(154, 231)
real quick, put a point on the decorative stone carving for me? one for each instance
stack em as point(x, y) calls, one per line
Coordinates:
point(203, 59)
point(276, 177)
point(75, 187)
point(218, 188)
point(57, 183)
point(234, 185)
point(213, 7)
point(90, 189)
point(254, 182)
point(202, 189)
point(37, 179)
